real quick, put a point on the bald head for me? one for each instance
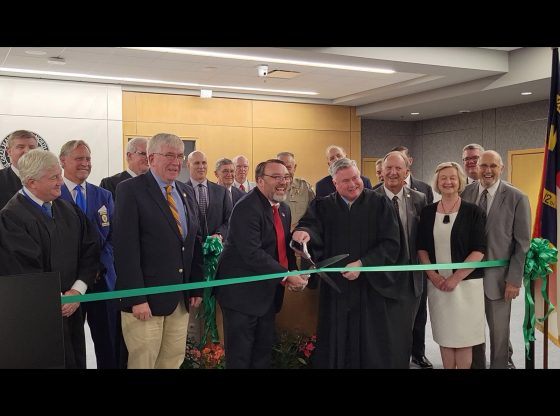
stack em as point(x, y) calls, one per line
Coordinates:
point(198, 165)
point(490, 167)
point(334, 153)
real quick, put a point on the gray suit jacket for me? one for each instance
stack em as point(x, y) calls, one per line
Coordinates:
point(508, 229)
point(415, 201)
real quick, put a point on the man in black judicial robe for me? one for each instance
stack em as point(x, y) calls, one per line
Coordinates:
point(63, 242)
point(355, 328)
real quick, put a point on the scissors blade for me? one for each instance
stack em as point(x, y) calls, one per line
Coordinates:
point(329, 281)
point(331, 260)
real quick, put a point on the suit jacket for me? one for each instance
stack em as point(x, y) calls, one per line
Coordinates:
point(414, 201)
point(149, 250)
point(218, 212)
point(96, 198)
point(418, 185)
point(251, 249)
point(236, 194)
point(508, 229)
point(9, 185)
point(110, 183)
point(252, 185)
point(326, 187)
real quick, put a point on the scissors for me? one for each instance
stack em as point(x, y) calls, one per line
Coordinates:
point(327, 262)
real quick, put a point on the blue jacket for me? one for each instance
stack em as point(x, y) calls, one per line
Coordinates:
point(96, 198)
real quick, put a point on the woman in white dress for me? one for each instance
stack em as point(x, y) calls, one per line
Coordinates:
point(453, 231)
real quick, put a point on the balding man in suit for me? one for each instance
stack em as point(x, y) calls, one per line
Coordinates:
point(508, 230)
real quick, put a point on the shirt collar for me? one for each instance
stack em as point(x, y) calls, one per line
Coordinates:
point(32, 196)
point(162, 184)
point(390, 195)
point(195, 183)
point(492, 190)
point(132, 173)
point(71, 185)
point(407, 180)
point(16, 170)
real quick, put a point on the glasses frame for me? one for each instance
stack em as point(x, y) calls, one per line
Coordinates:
point(171, 157)
point(287, 178)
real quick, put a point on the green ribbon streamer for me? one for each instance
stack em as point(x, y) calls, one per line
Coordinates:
point(90, 297)
point(211, 250)
point(540, 256)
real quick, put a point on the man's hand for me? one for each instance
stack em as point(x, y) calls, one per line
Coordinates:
point(352, 275)
point(142, 311)
point(297, 283)
point(219, 236)
point(69, 308)
point(511, 292)
point(195, 301)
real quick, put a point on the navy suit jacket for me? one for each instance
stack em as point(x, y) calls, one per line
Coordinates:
point(96, 198)
point(251, 249)
point(9, 185)
point(236, 194)
point(149, 250)
point(110, 183)
point(219, 209)
point(326, 187)
point(418, 185)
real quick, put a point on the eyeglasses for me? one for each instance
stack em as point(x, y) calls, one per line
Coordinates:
point(172, 157)
point(280, 178)
point(471, 159)
point(141, 153)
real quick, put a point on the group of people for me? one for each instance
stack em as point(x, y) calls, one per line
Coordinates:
point(143, 228)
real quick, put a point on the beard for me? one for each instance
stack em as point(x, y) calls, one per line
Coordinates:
point(279, 198)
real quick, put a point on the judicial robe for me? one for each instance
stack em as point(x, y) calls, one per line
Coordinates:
point(355, 327)
point(65, 243)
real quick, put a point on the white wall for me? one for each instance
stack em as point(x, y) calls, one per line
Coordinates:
point(59, 111)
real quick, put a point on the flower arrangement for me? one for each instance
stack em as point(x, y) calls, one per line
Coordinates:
point(209, 356)
point(293, 350)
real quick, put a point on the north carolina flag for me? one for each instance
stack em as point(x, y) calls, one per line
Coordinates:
point(546, 220)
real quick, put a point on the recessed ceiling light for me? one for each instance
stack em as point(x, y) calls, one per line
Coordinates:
point(35, 52)
point(464, 111)
point(414, 114)
point(526, 93)
point(56, 60)
point(205, 93)
point(152, 81)
point(264, 59)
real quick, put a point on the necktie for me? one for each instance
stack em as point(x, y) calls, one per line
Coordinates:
point(280, 237)
point(80, 200)
point(401, 222)
point(396, 204)
point(173, 208)
point(203, 206)
point(483, 203)
point(242, 187)
point(47, 207)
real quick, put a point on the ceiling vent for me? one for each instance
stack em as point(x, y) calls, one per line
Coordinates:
point(277, 73)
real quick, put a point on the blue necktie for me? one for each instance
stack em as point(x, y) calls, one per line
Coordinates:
point(80, 200)
point(47, 207)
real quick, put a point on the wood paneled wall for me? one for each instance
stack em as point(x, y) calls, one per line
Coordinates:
point(258, 129)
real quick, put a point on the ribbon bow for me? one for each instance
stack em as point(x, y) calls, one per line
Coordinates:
point(211, 250)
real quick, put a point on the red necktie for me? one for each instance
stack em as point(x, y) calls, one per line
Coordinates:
point(242, 187)
point(280, 237)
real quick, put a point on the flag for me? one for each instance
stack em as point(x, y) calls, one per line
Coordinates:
point(546, 219)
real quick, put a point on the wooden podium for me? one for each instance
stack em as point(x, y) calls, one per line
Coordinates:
point(31, 321)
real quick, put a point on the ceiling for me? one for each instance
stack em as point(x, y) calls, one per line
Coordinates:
point(431, 81)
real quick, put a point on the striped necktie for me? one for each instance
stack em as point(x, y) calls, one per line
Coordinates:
point(483, 203)
point(173, 207)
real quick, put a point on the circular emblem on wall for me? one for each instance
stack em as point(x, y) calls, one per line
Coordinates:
point(5, 159)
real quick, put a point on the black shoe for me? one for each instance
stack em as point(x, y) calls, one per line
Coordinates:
point(422, 362)
point(510, 365)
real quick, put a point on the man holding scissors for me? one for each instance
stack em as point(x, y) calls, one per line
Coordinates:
point(354, 328)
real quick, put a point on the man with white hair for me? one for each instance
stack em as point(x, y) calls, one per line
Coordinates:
point(49, 234)
point(241, 182)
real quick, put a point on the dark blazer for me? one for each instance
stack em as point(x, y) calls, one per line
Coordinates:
point(219, 209)
point(415, 202)
point(149, 250)
point(326, 187)
point(9, 185)
point(418, 185)
point(467, 235)
point(110, 183)
point(251, 249)
point(236, 194)
point(96, 198)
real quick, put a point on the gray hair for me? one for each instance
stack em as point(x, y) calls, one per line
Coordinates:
point(133, 144)
point(223, 161)
point(160, 139)
point(460, 174)
point(398, 153)
point(285, 154)
point(20, 134)
point(34, 163)
point(334, 146)
point(343, 163)
point(70, 146)
point(234, 160)
point(473, 146)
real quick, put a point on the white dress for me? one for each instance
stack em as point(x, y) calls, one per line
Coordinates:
point(457, 317)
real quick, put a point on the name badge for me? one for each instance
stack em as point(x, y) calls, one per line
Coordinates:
point(103, 216)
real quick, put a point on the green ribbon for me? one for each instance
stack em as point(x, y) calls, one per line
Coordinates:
point(537, 266)
point(211, 250)
point(90, 297)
